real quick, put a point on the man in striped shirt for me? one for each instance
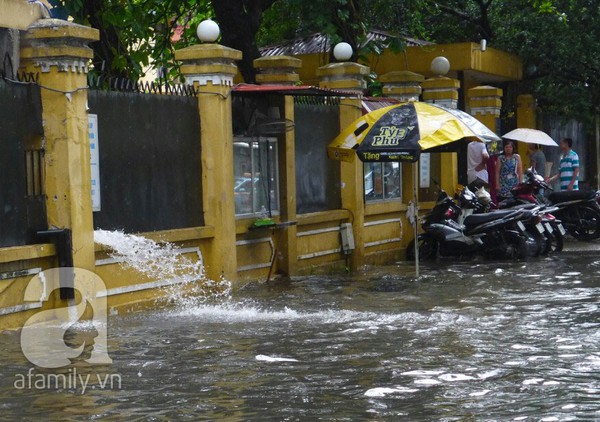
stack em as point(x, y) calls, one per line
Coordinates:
point(569, 167)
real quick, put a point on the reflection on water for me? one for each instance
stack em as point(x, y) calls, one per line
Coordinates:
point(467, 341)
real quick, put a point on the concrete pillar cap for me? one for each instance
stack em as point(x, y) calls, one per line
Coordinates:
point(277, 62)
point(484, 91)
point(343, 69)
point(401, 76)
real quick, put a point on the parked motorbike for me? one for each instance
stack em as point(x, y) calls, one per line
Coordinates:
point(545, 232)
point(578, 211)
point(537, 235)
point(447, 231)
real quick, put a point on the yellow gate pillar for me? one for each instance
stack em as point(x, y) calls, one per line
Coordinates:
point(526, 118)
point(402, 85)
point(57, 50)
point(210, 68)
point(281, 70)
point(485, 103)
point(277, 70)
point(444, 91)
point(350, 77)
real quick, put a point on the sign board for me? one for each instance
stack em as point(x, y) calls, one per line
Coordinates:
point(94, 160)
point(425, 170)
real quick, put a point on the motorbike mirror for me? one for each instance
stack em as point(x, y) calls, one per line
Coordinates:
point(483, 195)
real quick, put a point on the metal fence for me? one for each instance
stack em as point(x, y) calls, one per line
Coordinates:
point(149, 159)
point(22, 201)
point(317, 177)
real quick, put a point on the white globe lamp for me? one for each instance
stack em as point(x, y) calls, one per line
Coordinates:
point(342, 51)
point(440, 66)
point(208, 31)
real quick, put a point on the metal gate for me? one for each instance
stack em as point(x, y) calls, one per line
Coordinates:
point(317, 177)
point(22, 201)
point(150, 161)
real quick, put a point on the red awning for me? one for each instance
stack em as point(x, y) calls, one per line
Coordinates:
point(373, 103)
point(291, 90)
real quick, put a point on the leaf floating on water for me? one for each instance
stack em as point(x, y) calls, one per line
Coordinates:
point(479, 393)
point(265, 358)
point(456, 377)
point(384, 391)
point(427, 381)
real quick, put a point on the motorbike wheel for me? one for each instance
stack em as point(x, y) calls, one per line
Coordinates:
point(554, 242)
point(428, 248)
point(515, 246)
point(521, 248)
point(585, 224)
point(536, 243)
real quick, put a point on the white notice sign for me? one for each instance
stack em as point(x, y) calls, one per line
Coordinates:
point(425, 170)
point(94, 160)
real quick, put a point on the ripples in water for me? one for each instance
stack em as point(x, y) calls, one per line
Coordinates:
point(467, 341)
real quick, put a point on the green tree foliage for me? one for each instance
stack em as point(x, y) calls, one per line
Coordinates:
point(136, 32)
point(133, 33)
point(342, 20)
point(561, 54)
point(345, 20)
point(556, 39)
point(240, 20)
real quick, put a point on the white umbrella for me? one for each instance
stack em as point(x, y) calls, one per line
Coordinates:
point(530, 136)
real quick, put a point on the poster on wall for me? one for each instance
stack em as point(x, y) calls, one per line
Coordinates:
point(425, 170)
point(94, 160)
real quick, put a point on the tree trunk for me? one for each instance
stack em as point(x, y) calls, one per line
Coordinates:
point(104, 50)
point(239, 21)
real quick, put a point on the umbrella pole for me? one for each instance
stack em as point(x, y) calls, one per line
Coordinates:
point(415, 178)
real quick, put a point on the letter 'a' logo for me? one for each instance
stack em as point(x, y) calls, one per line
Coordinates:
point(42, 336)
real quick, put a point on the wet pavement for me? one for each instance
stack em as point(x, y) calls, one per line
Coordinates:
point(469, 340)
point(573, 245)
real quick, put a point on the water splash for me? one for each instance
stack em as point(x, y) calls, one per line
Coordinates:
point(166, 262)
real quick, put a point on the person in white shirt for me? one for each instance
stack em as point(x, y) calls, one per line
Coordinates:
point(477, 158)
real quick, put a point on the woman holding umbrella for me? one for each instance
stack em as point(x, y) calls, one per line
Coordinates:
point(509, 170)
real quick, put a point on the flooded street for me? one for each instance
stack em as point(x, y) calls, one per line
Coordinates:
point(467, 341)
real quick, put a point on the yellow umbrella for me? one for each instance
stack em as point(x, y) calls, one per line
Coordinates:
point(400, 132)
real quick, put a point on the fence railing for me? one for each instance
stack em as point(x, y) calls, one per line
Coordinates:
point(145, 87)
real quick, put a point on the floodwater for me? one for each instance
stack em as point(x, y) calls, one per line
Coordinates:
point(467, 341)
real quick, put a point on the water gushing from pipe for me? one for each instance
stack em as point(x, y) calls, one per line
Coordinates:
point(186, 280)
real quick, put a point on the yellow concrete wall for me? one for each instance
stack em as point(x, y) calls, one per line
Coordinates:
point(462, 57)
point(319, 242)
point(385, 237)
point(526, 118)
point(25, 261)
point(19, 14)
point(255, 250)
point(313, 245)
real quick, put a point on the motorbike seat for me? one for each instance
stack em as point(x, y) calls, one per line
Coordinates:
point(556, 197)
point(476, 219)
point(524, 206)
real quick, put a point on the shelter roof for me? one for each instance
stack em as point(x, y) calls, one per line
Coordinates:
point(373, 103)
point(303, 90)
point(321, 43)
